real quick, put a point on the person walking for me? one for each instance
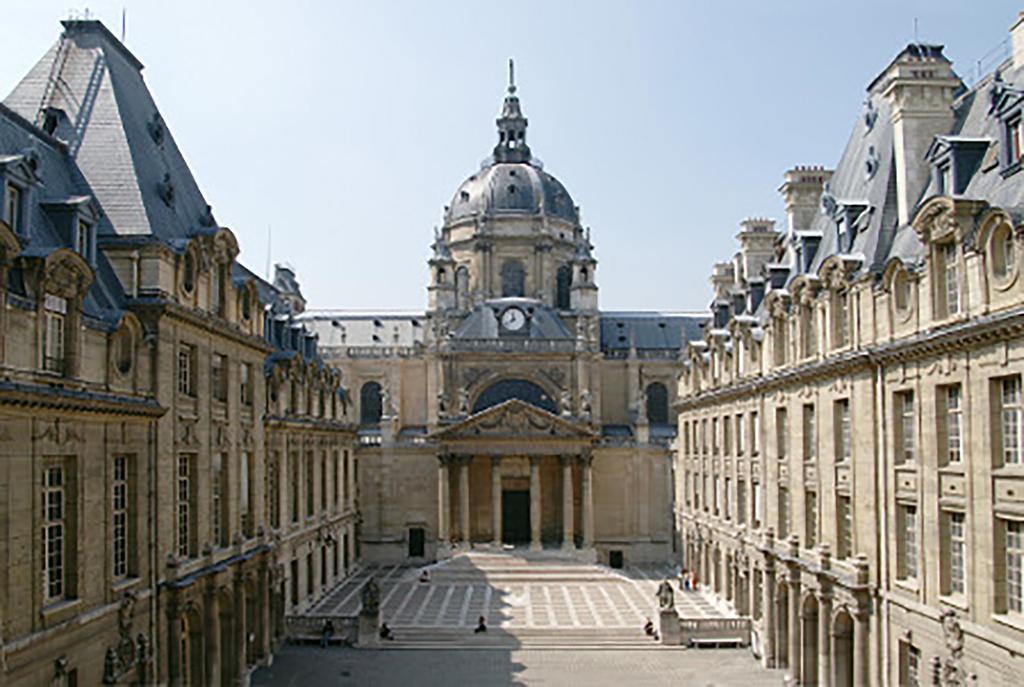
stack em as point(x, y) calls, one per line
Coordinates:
point(326, 634)
point(481, 625)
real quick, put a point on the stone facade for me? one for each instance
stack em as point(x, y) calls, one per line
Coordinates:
point(849, 460)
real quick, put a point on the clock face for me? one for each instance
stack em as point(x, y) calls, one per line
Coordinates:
point(513, 319)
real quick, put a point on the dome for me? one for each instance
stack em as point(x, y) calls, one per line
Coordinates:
point(505, 188)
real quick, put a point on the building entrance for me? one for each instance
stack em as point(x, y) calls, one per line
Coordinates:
point(515, 516)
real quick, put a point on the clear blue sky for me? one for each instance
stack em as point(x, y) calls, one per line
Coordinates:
point(347, 126)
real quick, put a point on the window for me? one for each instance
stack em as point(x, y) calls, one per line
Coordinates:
point(758, 505)
point(952, 427)
point(120, 516)
point(718, 495)
point(186, 360)
point(901, 292)
point(218, 288)
point(810, 434)
point(781, 433)
point(83, 244)
point(728, 499)
point(910, 665)
point(950, 304)
point(55, 312)
point(741, 501)
point(124, 352)
point(906, 427)
point(184, 506)
point(907, 542)
point(1010, 419)
point(811, 519)
point(246, 496)
point(726, 436)
point(336, 460)
point(840, 319)
point(310, 483)
point(843, 434)
point(245, 383)
point(293, 486)
point(219, 500)
point(844, 524)
point(946, 179)
point(739, 435)
point(714, 437)
point(55, 532)
point(188, 273)
point(657, 403)
point(1014, 147)
point(324, 484)
point(219, 377)
point(12, 208)
point(755, 433)
point(1015, 566)
point(956, 556)
point(513, 279)
point(1003, 251)
point(808, 330)
point(779, 342)
point(462, 288)
point(783, 512)
point(563, 283)
point(370, 404)
point(273, 489)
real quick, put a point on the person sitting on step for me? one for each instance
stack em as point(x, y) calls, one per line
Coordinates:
point(385, 632)
point(481, 625)
point(649, 628)
point(425, 575)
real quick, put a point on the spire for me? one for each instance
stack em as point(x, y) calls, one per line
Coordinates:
point(511, 126)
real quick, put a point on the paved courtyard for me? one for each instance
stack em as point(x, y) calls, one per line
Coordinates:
point(303, 666)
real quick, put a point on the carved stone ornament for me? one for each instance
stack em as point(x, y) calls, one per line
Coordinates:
point(463, 401)
point(60, 433)
point(565, 403)
point(951, 671)
point(666, 597)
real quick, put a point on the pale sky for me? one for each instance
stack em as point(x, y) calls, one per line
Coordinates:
point(347, 126)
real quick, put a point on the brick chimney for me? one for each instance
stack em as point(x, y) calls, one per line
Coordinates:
point(801, 191)
point(919, 85)
point(757, 245)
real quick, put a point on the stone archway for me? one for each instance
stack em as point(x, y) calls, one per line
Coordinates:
point(809, 643)
point(842, 649)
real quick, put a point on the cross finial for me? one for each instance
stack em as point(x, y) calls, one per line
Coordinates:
point(511, 76)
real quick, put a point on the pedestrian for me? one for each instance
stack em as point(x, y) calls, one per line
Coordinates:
point(481, 625)
point(385, 632)
point(683, 580)
point(424, 575)
point(649, 628)
point(326, 634)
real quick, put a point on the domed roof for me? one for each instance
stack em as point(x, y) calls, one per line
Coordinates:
point(511, 181)
point(512, 188)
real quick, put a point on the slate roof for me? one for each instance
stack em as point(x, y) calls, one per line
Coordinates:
point(650, 330)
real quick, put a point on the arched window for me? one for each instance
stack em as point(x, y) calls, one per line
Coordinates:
point(370, 404)
point(513, 279)
point(524, 390)
point(563, 281)
point(462, 288)
point(657, 403)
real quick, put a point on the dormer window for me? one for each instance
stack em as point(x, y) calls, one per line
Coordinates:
point(946, 179)
point(949, 269)
point(188, 277)
point(1013, 140)
point(55, 311)
point(12, 207)
point(83, 243)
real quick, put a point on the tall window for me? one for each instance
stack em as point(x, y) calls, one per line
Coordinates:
point(781, 433)
point(783, 512)
point(779, 342)
point(844, 524)
point(219, 503)
point(1015, 565)
point(462, 288)
point(840, 319)
point(950, 279)
point(218, 289)
point(810, 433)
point(718, 495)
point(336, 460)
point(843, 432)
point(908, 542)
point(910, 665)
point(273, 495)
point(808, 330)
point(739, 435)
point(310, 483)
point(728, 499)
point(245, 383)
point(741, 501)
point(758, 504)
point(12, 207)
point(755, 433)
point(1014, 142)
point(184, 505)
point(219, 377)
point(293, 486)
point(55, 532)
point(370, 404)
point(955, 563)
point(120, 514)
point(953, 424)
point(1010, 419)
point(55, 312)
point(324, 484)
point(906, 426)
point(245, 494)
point(82, 243)
point(513, 279)
point(657, 403)
point(563, 282)
point(186, 361)
point(811, 519)
point(726, 436)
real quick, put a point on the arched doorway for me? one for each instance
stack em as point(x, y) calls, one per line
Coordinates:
point(782, 624)
point(657, 403)
point(809, 646)
point(842, 649)
point(521, 389)
point(370, 408)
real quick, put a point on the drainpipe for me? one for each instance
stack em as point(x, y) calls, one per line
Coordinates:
point(883, 487)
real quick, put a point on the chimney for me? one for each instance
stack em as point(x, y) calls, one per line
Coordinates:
point(1017, 40)
point(801, 190)
point(757, 245)
point(919, 85)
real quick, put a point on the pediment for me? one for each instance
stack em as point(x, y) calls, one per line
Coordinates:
point(514, 419)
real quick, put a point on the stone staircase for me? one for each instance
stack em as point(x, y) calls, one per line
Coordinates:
point(412, 637)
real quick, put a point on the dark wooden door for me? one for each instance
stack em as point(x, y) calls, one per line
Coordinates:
point(416, 540)
point(515, 516)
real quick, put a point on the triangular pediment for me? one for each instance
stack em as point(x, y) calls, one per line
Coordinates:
point(514, 419)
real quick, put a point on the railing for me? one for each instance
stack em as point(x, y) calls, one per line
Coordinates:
point(714, 629)
point(370, 351)
point(311, 627)
point(511, 345)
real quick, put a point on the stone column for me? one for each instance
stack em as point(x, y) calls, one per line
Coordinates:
point(795, 626)
point(768, 624)
point(824, 639)
point(241, 631)
point(175, 659)
point(586, 477)
point(211, 633)
point(265, 619)
point(443, 501)
point(567, 505)
point(464, 499)
point(535, 503)
point(861, 650)
point(496, 501)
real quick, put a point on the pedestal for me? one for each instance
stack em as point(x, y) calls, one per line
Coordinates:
point(668, 626)
point(369, 628)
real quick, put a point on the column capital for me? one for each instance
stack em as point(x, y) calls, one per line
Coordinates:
point(566, 460)
point(586, 459)
point(534, 460)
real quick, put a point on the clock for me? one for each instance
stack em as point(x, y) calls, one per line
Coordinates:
point(513, 319)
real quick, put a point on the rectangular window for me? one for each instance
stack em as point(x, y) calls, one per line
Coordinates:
point(758, 505)
point(1010, 419)
point(217, 286)
point(704, 436)
point(12, 206)
point(120, 515)
point(844, 523)
point(910, 665)
point(843, 432)
point(293, 486)
point(841, 319)
point(810, 434)
point(245, 383)
point(906, 427)
point(951, 278)
point(908, 542)
point(219, 377)
point(741, 501)
point(1013, 140)
point(219, 500)
point(718, 495)
point(310, 483)
point(728, 499)
point(957, 553)
point(1015, 566)
point(246, 494)
point(781, 433)
point(55, 312)
point(55, 532)
point(337, 476)
point(186, 359)
point(82, 239)
point(726, 436)
point(953, 426)
point(715, 444)
point(755, 433)
point(273, 489)
point(739, 435)
point(811, 519)
point(324, 484)
point(783, 512)
point(184, 506)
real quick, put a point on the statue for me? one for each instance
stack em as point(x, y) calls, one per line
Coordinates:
point(565, 401)
point(641, 414)
point(586, 411)
point(387, 408)
point(666, 597)
point(370, 596)
point(442, 404)
point(463, 401)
